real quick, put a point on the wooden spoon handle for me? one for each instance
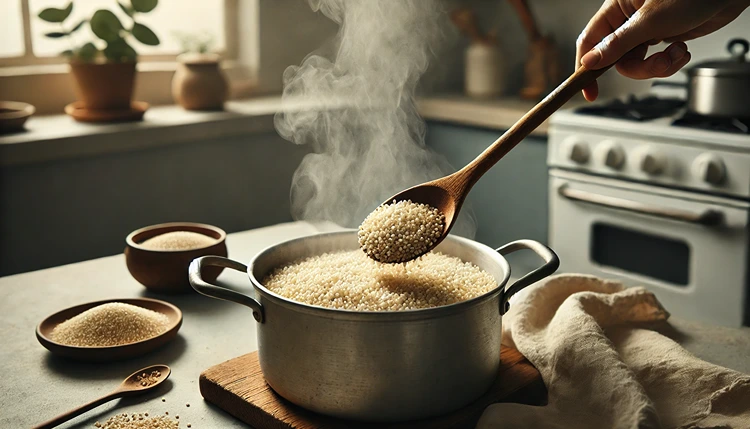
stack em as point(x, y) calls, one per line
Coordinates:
point(62, 418)
point(528, 123)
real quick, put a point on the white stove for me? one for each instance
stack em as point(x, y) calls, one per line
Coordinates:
point(653, 203)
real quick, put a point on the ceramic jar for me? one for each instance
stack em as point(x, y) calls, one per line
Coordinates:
point(198, 83)
point(484, 73)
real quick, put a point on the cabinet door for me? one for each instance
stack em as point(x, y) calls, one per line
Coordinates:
point(510, 201)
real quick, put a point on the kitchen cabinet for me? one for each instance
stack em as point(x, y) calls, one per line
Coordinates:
point(510, 201)
point(68, 210)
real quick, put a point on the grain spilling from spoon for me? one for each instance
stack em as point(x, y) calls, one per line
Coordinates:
point(400, 231)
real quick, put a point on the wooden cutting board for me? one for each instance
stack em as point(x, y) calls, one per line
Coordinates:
point(237, 386)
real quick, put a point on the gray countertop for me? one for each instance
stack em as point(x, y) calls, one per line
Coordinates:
point(38, 386)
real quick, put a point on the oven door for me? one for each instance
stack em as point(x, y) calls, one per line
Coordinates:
point(690, 249)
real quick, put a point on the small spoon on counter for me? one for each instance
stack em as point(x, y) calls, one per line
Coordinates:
point(137, 383)
point(448, 193)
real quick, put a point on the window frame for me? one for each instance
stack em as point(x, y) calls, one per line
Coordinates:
point(230, 52)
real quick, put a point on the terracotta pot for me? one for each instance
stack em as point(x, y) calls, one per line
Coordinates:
point(198, 83)
point(104, 85)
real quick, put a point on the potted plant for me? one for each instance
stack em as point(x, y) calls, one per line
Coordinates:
point(104, 69)
point(198, 83)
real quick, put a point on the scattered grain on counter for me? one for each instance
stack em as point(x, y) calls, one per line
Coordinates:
point(110, 324)
point(352, 281)
point(178, 240)
point(400, 231)
point(138, 421)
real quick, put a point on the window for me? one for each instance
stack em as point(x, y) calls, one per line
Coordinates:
point(11, 32)
point(24, 43)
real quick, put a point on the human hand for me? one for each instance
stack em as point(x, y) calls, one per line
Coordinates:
point(622, 30)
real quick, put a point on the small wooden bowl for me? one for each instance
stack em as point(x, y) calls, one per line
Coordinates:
point(110, 353)
point(13, 115)
point(166, 271)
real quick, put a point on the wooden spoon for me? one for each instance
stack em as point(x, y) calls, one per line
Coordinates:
point(131, 386)
point(447, 194)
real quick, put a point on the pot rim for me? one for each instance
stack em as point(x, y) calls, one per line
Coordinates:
point(381, 316)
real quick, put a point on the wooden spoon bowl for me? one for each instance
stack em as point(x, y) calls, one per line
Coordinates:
point(448, 193)
point(131, 386)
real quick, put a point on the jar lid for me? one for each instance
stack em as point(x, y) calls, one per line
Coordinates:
point(736, 66)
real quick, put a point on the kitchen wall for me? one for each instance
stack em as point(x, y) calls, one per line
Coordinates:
point(304, 31)
point(64, 211)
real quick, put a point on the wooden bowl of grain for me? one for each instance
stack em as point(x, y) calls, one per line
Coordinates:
point(13, 115)
point(158, 256)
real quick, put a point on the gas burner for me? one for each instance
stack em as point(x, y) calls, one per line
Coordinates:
point(728, 125)
point(634, 108)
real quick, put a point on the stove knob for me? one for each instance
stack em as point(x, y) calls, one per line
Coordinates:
point(651, 162)
point(576, 150)
point(611, 154)
point(709, 168)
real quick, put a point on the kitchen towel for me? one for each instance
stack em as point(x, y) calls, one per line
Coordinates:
point(604, 369)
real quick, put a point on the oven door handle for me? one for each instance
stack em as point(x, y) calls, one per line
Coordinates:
point(706, 218)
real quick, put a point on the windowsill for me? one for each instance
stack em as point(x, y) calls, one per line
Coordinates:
point(496, 114)
point(59, 136)
point(64, 68)
point(56, 137)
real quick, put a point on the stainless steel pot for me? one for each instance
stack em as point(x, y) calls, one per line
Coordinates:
point(377, 366)
point(722, 87)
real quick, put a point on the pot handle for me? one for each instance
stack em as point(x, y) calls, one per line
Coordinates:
point(203, 287)
point(744, 49)
point(551, 263)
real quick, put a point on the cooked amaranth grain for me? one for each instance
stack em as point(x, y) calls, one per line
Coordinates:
point(110, 324)
point(352, 281)
point(400, 231)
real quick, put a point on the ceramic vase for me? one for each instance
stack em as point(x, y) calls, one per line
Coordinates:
point(484, 72)
point(198, 83)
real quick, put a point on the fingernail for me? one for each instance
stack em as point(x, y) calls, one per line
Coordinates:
point(676, 52)
point(591, 59)
point(661, 64)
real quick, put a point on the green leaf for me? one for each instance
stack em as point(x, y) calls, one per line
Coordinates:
point(77, 26)
point(119, 51)
point(56, 34)
point(67, 53)
point(125, 8)
point(144, 5)
point(87, 52)
point(144, 35)
point(56, 15)
point(105, 25)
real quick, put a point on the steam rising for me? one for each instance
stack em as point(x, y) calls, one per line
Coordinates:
point(368, 142)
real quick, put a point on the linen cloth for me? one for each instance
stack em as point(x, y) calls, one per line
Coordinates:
point(604, 369)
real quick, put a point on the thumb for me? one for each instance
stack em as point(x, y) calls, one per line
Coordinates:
point(630, 34)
